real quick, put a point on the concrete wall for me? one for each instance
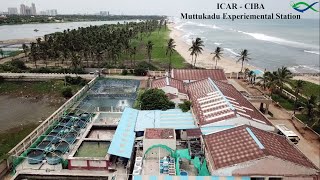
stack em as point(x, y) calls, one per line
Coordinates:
point(88, 164)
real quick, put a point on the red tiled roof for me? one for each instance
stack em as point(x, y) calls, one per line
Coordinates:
point(198, 74)
point(157, 133)
point(243, 106)
point(194, 132)
point(207, 107)
point(236, 145)
point(162, 82)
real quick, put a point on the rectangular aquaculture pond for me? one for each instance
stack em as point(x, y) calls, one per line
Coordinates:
point(101, 132)
point(111, 95)
point(93, 149)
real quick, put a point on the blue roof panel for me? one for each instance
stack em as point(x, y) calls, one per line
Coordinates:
point(172, 118)
point(123, 139)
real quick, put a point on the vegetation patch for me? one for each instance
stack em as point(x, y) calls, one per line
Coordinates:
point(16, 135)
point(285, 103)
point(154, 99)
point(185, 106)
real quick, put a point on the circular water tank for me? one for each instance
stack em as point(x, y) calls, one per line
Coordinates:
point(54, 157)
point(35, 156)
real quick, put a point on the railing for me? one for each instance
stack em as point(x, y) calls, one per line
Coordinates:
point(116, 71)
point(3, 168)
point(30, 139)
point(234, 75)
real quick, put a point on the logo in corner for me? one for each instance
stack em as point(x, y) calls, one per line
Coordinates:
point(303, 6)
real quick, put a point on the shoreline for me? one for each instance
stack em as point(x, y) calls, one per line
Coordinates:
point(228, 64)
point(204, 60)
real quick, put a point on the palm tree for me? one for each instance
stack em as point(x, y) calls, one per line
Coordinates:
point(25, 49)
point(192, 53)
point(217, 55)
point(134, 52)
point(246, 73)
point(317, 115)
point(282, 76)
point(297, 89)
point(1, 52)
point(170, 49)
point(271, 83)
point(149, 47)
point(198, 44)
point(34, 53)
point(75, 60)
point(311, 105)
point(264, 80)
point(244, 56)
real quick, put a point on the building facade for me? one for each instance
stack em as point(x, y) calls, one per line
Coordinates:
point(12, 11)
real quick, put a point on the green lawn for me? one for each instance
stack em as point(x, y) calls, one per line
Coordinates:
point(35, 88)
point(285, 103)
point(16, 135)
point(159, 58)
point(309, 88)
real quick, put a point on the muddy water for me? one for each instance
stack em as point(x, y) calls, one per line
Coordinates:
point(17, 111)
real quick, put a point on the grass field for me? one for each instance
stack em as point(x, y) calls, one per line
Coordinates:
point(308, 89)
point(285, 103)
point(159, 58)
point(52, 88)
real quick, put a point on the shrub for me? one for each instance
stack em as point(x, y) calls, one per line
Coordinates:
point(18, 64)
point(124, 72)
point(185, 106)
point(75, 80)
point(67, 92)
point(142, 68)
point(1, 79)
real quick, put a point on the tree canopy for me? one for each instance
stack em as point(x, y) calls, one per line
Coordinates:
point(155, 99)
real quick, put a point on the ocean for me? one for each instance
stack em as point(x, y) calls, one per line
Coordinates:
point(271, 43)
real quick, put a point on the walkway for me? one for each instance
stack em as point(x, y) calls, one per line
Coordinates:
point(309, 145)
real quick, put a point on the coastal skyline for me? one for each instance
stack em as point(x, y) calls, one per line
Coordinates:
point(165, 7)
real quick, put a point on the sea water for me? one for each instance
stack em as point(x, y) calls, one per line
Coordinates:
point(271, 43)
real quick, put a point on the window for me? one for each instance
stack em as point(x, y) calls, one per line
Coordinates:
point(275, 178)
point(257, 178)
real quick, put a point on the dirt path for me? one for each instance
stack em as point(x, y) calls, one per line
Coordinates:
point(4, 60)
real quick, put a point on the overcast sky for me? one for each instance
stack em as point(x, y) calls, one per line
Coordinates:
point(163, 7)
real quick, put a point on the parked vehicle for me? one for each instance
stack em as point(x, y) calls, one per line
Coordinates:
point(285, 131)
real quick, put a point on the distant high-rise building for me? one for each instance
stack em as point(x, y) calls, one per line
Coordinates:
point(28, 11)
point(33, 9)
point(52, 12)
point(12, 11)
point(104, 13)
point(43, 13)
point(23, 9)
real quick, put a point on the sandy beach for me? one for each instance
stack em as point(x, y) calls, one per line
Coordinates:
point(205, 59)
point(227, 63)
